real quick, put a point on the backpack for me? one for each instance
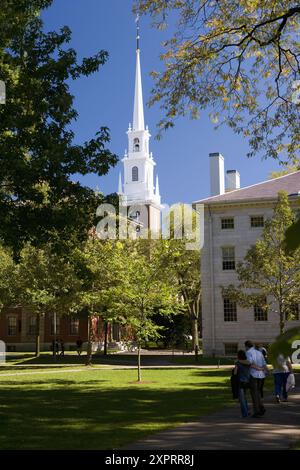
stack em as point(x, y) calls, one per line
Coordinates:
point(234, 382)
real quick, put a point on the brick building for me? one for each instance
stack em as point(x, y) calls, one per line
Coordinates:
point(18, 327)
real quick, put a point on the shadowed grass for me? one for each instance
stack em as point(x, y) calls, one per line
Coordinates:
point(98, 409)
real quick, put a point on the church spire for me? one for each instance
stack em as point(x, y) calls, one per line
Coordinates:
point(138, 111)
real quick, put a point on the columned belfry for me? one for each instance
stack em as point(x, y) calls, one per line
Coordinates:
point(138, 192)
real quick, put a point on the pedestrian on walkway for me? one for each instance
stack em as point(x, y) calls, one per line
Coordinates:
point(79, 344)
point(263, 350)
point(242, 371)
point(257, 374)
point(282, 368)
point(62, 347)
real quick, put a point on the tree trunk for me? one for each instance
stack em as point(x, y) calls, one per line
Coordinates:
point(37, 337)
point(195, 335)
point(105, 338)
point(281, 320)
point(90, 340)
point(139, 362)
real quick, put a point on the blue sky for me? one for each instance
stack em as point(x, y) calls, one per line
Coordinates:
point(106, 99)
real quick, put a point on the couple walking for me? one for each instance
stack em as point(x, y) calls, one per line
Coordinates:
point(250, 372)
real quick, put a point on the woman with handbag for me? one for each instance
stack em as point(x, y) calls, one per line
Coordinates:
point(282, 368)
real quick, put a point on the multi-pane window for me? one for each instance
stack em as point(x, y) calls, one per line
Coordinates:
point(257, 221)
point(260, 313)
point(230, 310)
point(227, 223)
point(57, 325)
point(228, 255)
point(230, 349)
point(135, 173)
point(12, 326)
point(293, 314)
point(31, 326)
point(74, 326)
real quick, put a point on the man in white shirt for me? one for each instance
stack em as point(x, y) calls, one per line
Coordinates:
point(257, 375)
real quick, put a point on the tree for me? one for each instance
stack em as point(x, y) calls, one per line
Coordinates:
point(39, 202)
point(46, 283)
point(7, 278)
point(268, 271)
point(98, 266)
point(146, 289)
point(288, 169)
point(238, 58)
point(185, 265)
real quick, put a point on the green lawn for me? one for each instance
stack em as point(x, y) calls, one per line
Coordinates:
point(102, 409)
point(28, 359)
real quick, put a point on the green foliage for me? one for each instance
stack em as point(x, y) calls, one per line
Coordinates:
point(7, 278)
point(239, 58)
point(147, 289)
point(185, 268)
point(283, 344)
point(268, 270)
point(46, 282)
point(293, 237)
point(38, 157)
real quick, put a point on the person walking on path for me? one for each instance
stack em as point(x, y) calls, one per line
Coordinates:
point(242, 371)
point(79, 344)
point(282, 368)
point(257, 374)
point(62, 347)
point(263, 350)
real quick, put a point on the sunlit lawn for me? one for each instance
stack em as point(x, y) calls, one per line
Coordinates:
point(102, 409)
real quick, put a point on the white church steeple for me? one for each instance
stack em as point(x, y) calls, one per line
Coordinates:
point(138, 161)
point(138, 109)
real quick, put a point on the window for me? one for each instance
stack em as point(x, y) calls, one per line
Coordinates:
point(74, 326)
point(228, 254)
point(230, 349)
point(260, 313)
point(136, 145)
point(293, 314)
point(12, 326)
point(257, 221)
point(57, 325)
point(227, 223)
point(135, 173)
point(230, 311)
point(31, 326)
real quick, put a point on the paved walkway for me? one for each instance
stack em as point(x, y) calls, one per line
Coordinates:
point(278, 429)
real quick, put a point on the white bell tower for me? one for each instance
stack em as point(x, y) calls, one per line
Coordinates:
point(139, 165)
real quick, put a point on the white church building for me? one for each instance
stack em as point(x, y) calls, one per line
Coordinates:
point(137, 191)
point(233, 220)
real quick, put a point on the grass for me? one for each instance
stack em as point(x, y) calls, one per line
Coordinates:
point(71, 358)
point(101, 409)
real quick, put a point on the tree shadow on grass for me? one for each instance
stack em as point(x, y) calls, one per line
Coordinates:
point(96, 416)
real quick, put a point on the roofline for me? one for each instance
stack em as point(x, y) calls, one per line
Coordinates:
point(246, 187)
point(245, 201)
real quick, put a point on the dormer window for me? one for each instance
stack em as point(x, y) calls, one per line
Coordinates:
point(136, 145)
point(135, 173)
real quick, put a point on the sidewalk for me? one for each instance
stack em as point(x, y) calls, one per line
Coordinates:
point(278, 429)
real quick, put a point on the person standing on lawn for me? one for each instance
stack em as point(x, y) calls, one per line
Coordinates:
point(282, 368)
point(257, 374)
